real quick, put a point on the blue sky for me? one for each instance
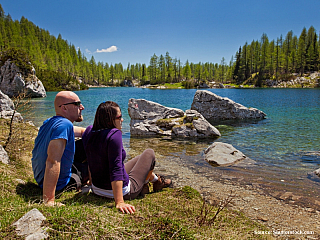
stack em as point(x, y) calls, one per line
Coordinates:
point(198, 31)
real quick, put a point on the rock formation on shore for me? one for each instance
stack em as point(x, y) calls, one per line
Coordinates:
point(13, 82)
point(214, 107)
point(7, 108)
point(4, 158)
point(150, 119)
point(307, 81)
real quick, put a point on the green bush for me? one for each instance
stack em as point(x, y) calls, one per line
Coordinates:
point(19, 57)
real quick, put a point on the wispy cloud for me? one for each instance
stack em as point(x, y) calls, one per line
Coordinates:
point(88, 51)
point(108, 50)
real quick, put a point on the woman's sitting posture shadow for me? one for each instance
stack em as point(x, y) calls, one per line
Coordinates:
point(112, 178)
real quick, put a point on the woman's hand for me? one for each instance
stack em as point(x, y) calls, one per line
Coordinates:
point(118, 198)
point(125, 208)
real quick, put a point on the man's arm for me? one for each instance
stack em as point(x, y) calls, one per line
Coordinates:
point(78, 131)
point(55, 151)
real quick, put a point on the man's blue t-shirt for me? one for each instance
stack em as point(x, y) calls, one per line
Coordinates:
point(56, 127)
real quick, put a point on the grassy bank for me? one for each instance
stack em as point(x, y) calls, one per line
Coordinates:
point(171, 214)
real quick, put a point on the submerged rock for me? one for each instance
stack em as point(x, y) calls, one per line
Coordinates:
point(214, 107)
point(223, 154)
point(317, 172)
point(149, 118)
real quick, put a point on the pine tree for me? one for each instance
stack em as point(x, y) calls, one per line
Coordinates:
point(152, 69)
point(2, 14)
point(169, 66)
point(302, 51)
point(112, 74)
point(264, 53)
point(162, 69)
point(311, 50)
point(287, 50)
point(236, 71)
point(187, 70)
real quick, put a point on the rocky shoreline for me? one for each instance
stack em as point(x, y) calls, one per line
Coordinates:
point(278, 215)
point(283, 207)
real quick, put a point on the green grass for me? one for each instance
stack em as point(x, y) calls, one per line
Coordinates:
point(238, 86)
point(174, 85)
point(169, 214)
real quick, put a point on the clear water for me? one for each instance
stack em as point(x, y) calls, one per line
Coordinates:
point(279, 144)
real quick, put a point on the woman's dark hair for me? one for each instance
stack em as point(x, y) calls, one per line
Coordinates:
point(105, 115)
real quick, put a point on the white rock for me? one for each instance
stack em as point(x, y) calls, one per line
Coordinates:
point(317, 172)
point(214, 107)
point(7, 108)
point(4, 158)
point(150, 118)
point(223, 154)
point(12, 82)
point(29, 225)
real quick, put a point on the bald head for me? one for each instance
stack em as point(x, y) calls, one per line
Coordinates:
point(63, 107)
point(64, 97)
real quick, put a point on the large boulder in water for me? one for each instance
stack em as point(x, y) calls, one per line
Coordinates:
point(150, 119)
point(224, 154)
point(214, 107)
point(13, 82)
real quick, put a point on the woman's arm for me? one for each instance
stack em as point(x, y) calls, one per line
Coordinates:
point(116, 169)
point(118, 198)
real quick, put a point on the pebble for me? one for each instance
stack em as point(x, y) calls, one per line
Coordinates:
point(262, 218)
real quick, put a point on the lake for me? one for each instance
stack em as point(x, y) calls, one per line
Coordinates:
point(282, 144)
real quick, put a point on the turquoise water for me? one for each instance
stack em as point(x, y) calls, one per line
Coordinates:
point(279, 144)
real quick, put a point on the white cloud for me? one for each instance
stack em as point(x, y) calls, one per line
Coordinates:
point(88, 51)
point(110, 49)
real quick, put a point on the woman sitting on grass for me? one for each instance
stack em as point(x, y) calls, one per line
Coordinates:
point(112, 178)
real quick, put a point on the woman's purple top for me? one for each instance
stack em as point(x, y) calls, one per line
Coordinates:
point(105, 154)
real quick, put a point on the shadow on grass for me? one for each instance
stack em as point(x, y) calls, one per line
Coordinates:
point(88, 198)
point(30, 192)
point(93, 199)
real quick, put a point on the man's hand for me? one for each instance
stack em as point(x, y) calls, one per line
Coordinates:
point(53, 204)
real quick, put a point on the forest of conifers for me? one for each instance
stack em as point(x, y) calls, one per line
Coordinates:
point(55, 60)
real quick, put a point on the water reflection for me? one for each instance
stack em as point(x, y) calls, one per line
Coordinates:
point(238, 122)
point(167, 147)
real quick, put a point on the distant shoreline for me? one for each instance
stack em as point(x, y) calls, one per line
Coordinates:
point(165, 88)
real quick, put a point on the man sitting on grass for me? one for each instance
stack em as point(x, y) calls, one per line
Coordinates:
point(54, 148)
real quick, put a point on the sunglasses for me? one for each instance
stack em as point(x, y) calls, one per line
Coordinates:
point(119, 117)
point(74, 103)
